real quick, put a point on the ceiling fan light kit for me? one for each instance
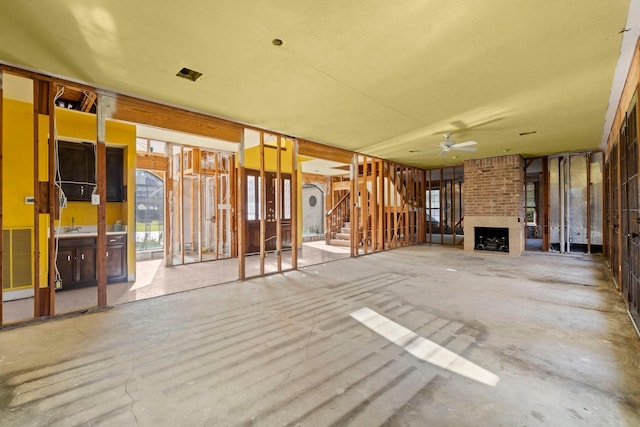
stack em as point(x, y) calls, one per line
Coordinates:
point(448, 145)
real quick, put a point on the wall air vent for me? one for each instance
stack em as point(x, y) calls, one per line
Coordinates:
point(189, 74)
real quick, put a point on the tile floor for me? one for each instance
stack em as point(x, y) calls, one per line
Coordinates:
point(153, 279)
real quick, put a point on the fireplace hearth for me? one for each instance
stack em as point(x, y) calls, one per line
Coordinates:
point(491, 239)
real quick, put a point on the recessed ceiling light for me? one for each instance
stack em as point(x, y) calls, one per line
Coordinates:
point(528, 133)
point(189, 74)
point(277, 42)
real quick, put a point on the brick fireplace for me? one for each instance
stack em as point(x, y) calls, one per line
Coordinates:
point(494, 200)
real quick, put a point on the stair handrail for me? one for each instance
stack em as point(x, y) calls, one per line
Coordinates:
point(330, 211)
point(337, 215)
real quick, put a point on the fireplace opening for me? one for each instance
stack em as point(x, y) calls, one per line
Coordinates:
point(491, 239)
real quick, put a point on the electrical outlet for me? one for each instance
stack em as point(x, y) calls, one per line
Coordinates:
point(95, 199)
point(63, 201)
point(58, 284)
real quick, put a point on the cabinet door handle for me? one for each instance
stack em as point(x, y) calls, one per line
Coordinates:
point(81, 256)
point(107, 254)
point(68, 258)
point(112, 240)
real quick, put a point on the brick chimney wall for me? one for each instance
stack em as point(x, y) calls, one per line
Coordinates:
point(494, 196)
point(494, 186)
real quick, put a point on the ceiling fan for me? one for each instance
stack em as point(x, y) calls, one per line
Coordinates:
point(448, 145)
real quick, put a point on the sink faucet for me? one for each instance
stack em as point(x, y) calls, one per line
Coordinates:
point(73, 227)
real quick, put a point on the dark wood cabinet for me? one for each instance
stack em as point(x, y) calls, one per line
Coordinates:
point(115, 188)
point(77, 260)
point(117, 258)
point(77, 170)
point(77, 163)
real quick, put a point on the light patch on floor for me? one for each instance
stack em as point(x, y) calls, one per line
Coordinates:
point(423, 348)
point(328, 248)
point(145, 272)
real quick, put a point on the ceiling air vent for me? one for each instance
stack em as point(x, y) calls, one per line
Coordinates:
point(189, 74)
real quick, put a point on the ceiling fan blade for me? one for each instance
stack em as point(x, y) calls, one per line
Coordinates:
point(464, 144)
point(442, 153)
point(469, 149)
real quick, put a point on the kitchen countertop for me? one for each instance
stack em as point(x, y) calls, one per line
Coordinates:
point(87, 231)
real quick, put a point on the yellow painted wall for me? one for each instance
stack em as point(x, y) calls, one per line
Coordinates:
point(17, 175)
point(252, 161)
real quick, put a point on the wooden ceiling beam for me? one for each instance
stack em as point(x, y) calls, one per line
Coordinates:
point(150, 113)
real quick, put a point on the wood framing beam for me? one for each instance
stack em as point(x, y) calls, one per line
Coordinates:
point(40, 306)
point(588, 161)
point(374, 204)
point(353, 214)
point(169, 203)
point(181, 204)
point(313, 149)
point(54, 203)
point(1, 187)
point(241, 202)
point(218, 221)
point(278, 202)
point(101, 180)
point(364, 205)
point(263, 207)
point(546, 201)
point(294, 204)
point(150, 113)
point(152, 162)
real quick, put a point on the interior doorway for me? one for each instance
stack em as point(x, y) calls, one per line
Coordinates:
point(150, 214)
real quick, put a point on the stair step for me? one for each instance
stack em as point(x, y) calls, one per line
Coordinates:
point(345, 230)
point(338, 242)
point(347, 224)
point(342, 236)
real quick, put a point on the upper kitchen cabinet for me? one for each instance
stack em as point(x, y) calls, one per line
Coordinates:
point(77, 163)
point(116, 191)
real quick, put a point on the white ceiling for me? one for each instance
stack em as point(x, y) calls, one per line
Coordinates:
point(382, 78)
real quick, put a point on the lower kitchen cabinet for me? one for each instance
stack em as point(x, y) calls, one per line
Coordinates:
point(77, 264)
point(117, 258)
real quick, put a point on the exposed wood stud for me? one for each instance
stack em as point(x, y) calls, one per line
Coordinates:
point(181, 204)
point(263, 207)
point(241, 201)
point(1, 186)
point(546, 201)
point(169, 203)
point(588, 161)
point(54, 204)
point(294, 203)
point(101, 180)
point(278, 202)
point(219, 221)
point(39, 304)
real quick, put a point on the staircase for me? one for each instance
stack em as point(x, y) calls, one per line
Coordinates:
point(342, 237)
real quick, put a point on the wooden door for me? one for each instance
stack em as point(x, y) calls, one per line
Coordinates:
point(272, 208)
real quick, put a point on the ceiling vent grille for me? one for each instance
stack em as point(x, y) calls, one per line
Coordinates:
point(189, 74)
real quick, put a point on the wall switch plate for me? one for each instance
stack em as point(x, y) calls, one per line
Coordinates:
point(95, 199)
point(29, 200)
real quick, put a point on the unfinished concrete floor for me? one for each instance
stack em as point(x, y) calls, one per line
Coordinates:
point(536, 340)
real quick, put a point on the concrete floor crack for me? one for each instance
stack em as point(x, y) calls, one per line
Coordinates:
point(126, 390)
